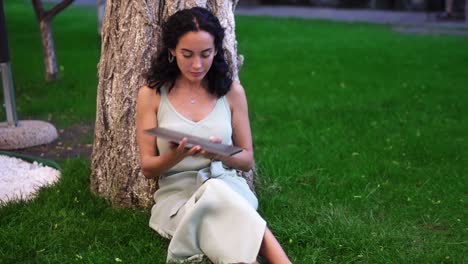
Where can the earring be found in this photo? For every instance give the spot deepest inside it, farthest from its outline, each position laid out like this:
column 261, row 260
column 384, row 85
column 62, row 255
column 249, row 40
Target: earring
column 170, row 57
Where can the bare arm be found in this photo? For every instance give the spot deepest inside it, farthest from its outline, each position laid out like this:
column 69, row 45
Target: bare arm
column 153, row 165
column 241, row 134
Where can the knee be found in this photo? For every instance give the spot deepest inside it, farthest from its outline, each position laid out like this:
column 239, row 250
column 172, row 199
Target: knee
column 212, row 192
column 218, row 194
column 231, row 195
column 215, row 183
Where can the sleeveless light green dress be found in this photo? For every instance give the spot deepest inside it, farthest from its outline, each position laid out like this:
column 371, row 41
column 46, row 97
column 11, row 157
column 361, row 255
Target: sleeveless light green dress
column 203, row 206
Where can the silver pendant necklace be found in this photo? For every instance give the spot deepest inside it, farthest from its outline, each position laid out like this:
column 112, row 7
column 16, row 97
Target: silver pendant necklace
column 192, row 99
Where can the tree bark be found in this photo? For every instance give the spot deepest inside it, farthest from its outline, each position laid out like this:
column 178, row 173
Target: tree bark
column 50, row 61
column 44, row 19
column 131, row 32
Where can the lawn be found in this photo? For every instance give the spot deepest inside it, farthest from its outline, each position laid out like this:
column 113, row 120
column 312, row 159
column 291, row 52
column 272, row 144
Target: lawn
column 360, row 136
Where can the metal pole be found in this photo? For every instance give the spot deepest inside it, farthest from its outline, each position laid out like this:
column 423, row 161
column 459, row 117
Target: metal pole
column 7, row 80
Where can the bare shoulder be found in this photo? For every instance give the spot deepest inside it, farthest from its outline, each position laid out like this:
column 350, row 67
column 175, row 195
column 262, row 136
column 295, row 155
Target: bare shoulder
column 236, row 90
column 148, row 97
column 146, row 91
column 236, row 94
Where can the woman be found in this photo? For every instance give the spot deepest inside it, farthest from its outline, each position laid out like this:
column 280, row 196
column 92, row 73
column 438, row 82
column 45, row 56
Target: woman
column 201, row 204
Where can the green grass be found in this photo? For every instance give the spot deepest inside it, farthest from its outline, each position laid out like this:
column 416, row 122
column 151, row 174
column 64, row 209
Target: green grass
column 360, row 136
column 67, row 223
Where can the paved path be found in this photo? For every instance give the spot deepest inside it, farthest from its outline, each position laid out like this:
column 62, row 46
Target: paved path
column 407, row 22
column 348, row 15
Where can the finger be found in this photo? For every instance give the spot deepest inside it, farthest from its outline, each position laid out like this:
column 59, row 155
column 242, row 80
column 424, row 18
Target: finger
column 215, row 139
column 205, row 154
column 194, row 150
column 182, row 144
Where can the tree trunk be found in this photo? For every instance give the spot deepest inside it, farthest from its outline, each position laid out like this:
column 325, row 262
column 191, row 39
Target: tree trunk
column 50, row 60
column 44, row 19
column 466, row 11
column 131, row 32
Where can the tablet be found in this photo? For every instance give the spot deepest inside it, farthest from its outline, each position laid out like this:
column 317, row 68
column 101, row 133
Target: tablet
column 207, row 145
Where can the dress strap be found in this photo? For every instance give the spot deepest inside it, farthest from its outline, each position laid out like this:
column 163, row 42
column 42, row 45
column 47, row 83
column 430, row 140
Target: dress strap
column 162, row 109
column 163, row 90
column 226, row 107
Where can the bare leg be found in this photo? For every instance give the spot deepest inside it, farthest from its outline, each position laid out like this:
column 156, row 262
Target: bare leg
column 272, row 250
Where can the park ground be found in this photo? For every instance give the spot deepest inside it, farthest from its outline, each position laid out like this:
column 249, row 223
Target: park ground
column 359, row 133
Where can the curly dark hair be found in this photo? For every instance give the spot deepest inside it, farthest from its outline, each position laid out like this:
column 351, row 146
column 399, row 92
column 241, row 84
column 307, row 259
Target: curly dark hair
column 194, row 19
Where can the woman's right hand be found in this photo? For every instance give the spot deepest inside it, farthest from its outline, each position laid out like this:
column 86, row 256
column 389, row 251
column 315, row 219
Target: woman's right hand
column 180, row 151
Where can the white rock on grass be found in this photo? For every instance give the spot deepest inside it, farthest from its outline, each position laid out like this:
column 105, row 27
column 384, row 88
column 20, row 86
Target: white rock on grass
column 20, row 180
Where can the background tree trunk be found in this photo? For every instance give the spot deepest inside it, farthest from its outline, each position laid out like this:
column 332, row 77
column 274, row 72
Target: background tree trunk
column 50, row 61
column 131, row 32
column 44, row 19
column 100, row 8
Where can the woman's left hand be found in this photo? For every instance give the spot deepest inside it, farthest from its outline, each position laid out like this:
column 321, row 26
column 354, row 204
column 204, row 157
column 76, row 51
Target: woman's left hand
column 210, row 155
